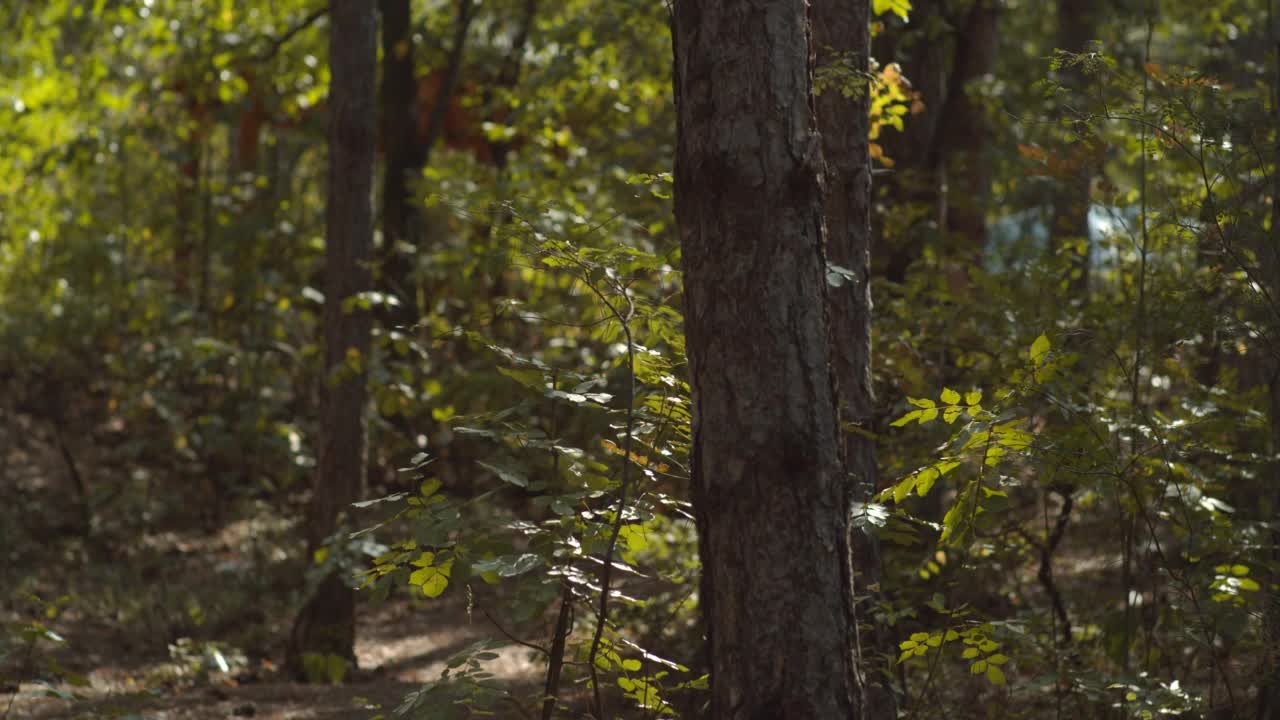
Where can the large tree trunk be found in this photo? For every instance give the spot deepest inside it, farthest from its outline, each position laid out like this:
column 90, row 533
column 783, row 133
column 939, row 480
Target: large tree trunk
column 326, row 625
column 769, row 491
column 841, row 34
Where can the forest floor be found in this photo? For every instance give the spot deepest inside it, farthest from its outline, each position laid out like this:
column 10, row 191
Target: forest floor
column 399, row 648
column 189, row 622
column 108, row 670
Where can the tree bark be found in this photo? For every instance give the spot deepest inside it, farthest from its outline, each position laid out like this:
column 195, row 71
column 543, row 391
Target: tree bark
column 841, row 31
column 769, row 492
column 326, row 625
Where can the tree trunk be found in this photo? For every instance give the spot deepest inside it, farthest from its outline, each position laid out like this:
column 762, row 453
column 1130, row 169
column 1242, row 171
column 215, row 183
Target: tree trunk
column 1269, row 687
column 770, row 494
column 1077, row 21
column 326, row 625
column 841, row 31
column 947, row 45
column 403, row 156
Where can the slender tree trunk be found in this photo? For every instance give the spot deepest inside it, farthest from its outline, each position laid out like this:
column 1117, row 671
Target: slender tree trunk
column 925, row 55
column 769, row 491
column 1269, row 689
column 326, row 625
column 947, row 45
column 841, row 33
column 965, row 136
column 1077, row 25
column 399, row 104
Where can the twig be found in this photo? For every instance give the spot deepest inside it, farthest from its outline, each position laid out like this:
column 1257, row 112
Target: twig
column 511, row 637
column 452, row 72
column 606, row 572
column 276, row 43
column 555, row 662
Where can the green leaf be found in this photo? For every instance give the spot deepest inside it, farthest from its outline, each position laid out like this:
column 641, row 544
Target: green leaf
column 506, row 473
column 1039, row 349
column 951, row 413
column 951, row 521
column 998, row 659
column 429, row 487
column 509, row 565
column 922, row 402
column 924, row 482
column 927, row 415
column 949, row 396
column 973, row 398
column 995, row 675
column 970, row 653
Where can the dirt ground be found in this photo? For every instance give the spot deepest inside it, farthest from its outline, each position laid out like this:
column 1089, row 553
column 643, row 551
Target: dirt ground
column 399, row 648
column 135, row 589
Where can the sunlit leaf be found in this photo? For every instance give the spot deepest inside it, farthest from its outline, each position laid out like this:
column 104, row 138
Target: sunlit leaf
column 1039, row 349
column 898, row 7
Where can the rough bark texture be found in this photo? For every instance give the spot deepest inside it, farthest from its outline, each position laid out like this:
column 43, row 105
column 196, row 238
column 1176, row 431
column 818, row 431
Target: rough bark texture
column 326, row 624
column 841, row 31
column 770, row 495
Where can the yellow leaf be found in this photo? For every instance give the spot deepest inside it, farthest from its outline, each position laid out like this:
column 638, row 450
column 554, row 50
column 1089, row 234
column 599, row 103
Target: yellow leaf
column 973, row 398
column 903, row 489
column 950, row 397
column 914, row 414
column 897, row 7
column 1039, row 349
column 433, row 579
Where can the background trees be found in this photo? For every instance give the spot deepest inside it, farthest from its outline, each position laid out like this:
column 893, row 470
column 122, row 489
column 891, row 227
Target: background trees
column 1083, row 524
